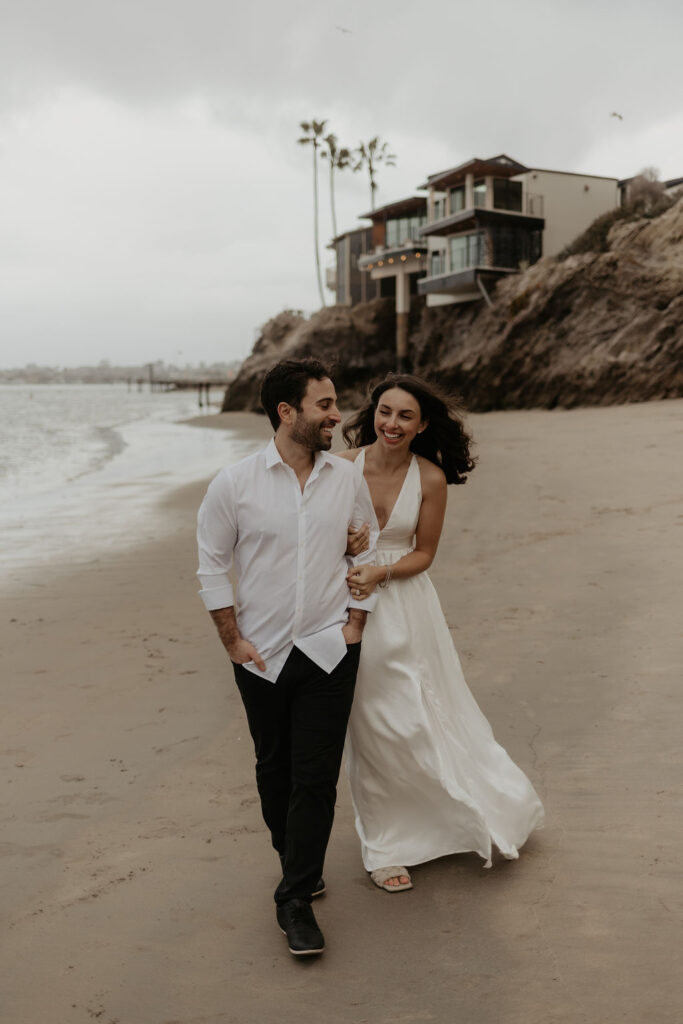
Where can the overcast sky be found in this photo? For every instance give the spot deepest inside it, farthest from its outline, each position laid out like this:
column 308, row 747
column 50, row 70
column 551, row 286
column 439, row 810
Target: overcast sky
column 154, row 203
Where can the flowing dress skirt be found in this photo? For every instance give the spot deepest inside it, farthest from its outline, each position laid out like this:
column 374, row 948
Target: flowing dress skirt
column 427, row 776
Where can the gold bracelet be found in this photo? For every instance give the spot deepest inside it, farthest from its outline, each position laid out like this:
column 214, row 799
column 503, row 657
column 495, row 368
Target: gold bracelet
column 385, row 581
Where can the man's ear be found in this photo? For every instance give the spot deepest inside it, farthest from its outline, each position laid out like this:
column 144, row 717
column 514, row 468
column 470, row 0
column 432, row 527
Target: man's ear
column 284, row 411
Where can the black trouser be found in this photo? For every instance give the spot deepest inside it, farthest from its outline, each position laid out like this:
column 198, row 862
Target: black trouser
column 298, row 726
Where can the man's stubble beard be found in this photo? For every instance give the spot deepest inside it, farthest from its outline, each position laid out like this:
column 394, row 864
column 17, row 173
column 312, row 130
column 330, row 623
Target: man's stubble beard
column 309, row 435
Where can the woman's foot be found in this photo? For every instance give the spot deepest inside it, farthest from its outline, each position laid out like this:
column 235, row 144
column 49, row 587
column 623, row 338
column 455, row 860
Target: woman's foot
column 398, row 880
column 392, row 879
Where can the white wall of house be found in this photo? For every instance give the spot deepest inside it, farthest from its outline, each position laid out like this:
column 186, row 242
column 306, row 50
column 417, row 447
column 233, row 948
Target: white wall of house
column 570, row 203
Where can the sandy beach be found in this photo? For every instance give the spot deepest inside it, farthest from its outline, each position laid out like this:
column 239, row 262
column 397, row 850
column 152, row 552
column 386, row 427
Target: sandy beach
column 137, row 874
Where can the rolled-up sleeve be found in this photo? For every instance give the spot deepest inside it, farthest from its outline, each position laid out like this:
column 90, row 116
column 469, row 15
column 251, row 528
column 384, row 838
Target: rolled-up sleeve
column 363, row 512
column 216, row 539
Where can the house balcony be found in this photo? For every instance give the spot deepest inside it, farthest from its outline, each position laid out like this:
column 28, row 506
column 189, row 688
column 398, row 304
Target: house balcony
column 408, row 252
column 462, row 285
column 479, row 217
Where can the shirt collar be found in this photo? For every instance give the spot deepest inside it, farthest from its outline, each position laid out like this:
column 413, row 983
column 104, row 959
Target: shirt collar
column 273, row 456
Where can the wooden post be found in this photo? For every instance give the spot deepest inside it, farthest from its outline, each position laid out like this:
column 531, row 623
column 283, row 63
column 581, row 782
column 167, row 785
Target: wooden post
column 402, row 320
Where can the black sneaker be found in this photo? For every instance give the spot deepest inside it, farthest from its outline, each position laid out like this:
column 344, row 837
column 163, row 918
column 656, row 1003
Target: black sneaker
column 298, row 923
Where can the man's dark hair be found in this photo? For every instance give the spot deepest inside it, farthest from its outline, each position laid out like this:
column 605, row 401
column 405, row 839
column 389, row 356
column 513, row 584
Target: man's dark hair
column 287, row 382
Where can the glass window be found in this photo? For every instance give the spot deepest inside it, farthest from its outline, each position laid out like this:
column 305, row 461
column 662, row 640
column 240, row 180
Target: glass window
column 439, row 209
column 480, row 192
column 436, row 265
column 458, row 248
column 457, row 198
column 507, row 195
column 467, row 251
column 401, row 230
column 514, row 245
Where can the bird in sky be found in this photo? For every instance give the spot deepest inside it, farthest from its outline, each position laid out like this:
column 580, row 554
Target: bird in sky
column 614, row 114
column 340, row 29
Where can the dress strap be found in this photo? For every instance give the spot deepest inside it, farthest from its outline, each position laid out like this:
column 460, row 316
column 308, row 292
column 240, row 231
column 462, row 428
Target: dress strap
column 417, row 478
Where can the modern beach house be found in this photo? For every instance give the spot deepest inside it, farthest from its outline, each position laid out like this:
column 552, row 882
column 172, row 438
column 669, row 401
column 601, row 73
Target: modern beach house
column 345, row 279
column 480, row 221
column 489, row 218
column 398, row 258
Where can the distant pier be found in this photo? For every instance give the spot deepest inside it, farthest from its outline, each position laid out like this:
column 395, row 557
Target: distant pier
column 202, row 387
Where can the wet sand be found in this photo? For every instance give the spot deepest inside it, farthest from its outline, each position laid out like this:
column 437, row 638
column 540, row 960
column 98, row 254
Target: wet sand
column 137, row 874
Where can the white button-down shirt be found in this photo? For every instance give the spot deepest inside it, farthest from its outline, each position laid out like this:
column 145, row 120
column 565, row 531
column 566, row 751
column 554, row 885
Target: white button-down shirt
column 288, row 548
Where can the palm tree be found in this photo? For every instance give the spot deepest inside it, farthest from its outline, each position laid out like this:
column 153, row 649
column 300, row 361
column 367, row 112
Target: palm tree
column 369, row 155
column 338, row 160
column 313, row 133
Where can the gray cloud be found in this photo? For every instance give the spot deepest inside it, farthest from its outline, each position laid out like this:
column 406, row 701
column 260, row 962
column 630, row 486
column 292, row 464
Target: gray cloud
column 152, row 185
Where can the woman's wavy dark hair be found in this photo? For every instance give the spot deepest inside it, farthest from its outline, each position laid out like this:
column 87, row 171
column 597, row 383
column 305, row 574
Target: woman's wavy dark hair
column 444, row 441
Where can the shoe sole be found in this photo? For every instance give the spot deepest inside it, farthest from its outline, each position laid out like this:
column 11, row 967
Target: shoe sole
column 319, row 892
column 303, row 952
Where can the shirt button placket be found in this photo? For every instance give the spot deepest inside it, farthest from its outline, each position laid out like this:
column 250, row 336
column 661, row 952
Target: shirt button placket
column 300, row 560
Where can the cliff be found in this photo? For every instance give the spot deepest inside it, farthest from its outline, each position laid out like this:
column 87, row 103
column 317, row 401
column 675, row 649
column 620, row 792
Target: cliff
column 597, row 327
column 357, row 343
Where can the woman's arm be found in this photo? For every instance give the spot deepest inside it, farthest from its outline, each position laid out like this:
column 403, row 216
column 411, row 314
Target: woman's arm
column 429, row 526
column 357, row 537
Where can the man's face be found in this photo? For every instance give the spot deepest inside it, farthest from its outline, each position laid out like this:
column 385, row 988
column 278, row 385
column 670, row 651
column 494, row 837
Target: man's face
column 313, row 425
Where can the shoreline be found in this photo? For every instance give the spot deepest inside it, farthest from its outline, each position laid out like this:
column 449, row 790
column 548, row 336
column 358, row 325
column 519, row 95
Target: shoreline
column 138, row 872
column 118, row 503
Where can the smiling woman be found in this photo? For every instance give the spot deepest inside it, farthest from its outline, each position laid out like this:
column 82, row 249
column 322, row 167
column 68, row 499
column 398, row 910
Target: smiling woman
column 427, row 777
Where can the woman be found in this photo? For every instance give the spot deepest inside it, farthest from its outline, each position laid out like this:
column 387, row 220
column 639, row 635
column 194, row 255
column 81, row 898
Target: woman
column 427, row 776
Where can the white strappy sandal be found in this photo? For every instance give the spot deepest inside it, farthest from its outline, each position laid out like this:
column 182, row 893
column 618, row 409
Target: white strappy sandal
column 382, row 875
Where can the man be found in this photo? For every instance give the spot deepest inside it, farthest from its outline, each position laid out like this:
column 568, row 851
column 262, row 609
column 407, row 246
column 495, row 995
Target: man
column 294, row 640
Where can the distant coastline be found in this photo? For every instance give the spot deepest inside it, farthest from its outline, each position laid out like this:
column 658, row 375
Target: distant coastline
column 107, row 373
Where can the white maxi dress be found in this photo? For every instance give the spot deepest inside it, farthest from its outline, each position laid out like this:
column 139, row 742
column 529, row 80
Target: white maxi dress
column 427, row 777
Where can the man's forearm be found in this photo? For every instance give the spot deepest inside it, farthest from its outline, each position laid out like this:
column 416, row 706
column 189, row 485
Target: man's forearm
column 226, row 624
column 353, row 630
column 357, row 618
column 239, row 650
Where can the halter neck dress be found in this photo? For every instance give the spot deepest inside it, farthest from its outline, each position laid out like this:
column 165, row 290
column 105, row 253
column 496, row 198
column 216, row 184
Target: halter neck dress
column 427, row 777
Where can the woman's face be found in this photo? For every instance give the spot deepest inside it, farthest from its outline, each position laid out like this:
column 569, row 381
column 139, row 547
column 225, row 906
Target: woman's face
column 397, row 419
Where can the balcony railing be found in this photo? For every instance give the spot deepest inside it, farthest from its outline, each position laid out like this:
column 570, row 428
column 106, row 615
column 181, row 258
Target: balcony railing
column 532, row 205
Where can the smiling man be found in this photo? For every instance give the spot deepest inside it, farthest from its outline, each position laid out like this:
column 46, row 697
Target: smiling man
column 293, row 633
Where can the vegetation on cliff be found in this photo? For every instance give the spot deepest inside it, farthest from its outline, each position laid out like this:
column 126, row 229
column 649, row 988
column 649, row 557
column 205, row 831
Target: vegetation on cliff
column 598, row 326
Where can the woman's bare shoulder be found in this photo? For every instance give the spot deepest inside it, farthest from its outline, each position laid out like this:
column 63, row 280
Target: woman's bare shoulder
column 432, row 477
column 349, row 453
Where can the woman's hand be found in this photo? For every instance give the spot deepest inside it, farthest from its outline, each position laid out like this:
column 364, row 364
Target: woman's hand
column 362, row 580
column 357, row 540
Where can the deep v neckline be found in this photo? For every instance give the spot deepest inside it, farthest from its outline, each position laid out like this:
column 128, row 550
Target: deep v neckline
column 400, row 493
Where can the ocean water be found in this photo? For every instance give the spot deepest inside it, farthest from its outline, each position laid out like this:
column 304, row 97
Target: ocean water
column 83, row 468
